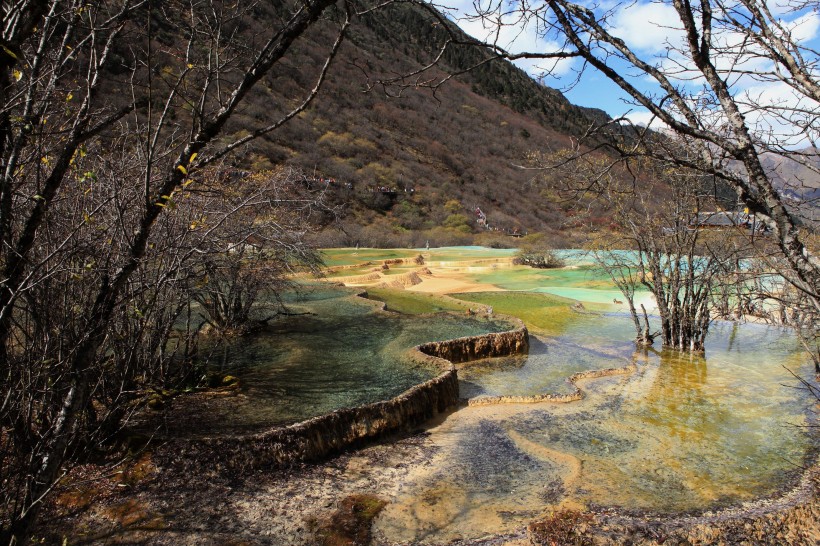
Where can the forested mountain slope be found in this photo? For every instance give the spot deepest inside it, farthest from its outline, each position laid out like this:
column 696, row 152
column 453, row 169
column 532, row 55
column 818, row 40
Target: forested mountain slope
column 444, row 151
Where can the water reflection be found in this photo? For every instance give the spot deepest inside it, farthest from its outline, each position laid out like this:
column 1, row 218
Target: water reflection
column 340, row 351
column 676, row 400
column 681, row 433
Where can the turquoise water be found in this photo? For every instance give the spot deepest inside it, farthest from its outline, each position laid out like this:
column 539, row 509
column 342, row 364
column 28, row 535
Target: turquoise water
column 546, row 369
column 680, row 433
column 595, row 295
column 342, row 352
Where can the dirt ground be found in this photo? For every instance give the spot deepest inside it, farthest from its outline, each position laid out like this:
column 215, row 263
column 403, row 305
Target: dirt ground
column 144, row 503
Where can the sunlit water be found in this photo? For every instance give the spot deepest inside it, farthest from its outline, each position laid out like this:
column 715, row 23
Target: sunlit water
column 342, row 352
column 582, row 281
column 676, row 434
column 679, row 434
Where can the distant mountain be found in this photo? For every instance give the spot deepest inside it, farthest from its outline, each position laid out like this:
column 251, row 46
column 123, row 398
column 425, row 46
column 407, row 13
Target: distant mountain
column 798, row 179
column 797, row 176
column 437, row 163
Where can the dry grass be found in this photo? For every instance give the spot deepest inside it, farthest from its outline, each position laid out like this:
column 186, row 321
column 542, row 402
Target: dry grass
column 561, row 528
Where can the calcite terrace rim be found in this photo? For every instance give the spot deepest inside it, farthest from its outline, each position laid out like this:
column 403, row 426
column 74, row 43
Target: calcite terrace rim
column 322, row 436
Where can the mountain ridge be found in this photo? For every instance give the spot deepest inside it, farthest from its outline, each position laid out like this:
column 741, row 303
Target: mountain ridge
column 459, row 146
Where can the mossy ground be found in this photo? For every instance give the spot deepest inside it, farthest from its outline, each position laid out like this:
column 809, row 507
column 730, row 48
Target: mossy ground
column 414, row 303
column 352, row 256
column 527, row 278
column 542, row 312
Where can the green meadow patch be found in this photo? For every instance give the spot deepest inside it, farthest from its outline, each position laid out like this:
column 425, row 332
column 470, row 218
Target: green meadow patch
column 544, row 312
column 413, row 303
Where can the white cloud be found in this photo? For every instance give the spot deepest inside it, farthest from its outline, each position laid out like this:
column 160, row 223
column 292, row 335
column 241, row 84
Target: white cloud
column 652, row 29
column 509, row 31
column 648, row 26
column 644, row 118
column 804, row 28
column 795, row 122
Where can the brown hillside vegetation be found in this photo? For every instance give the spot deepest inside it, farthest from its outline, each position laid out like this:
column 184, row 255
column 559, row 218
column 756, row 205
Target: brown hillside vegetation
column 413, row 165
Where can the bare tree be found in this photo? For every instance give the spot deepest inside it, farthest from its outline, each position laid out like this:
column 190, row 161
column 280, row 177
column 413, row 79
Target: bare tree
column 654, row 239
column 697, row 89
column 110, row 112
column 259, row 247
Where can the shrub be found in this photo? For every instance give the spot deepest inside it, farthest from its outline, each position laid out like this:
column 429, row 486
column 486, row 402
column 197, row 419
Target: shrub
column 564, row 527
column 495, row 239
column 536, row 252
column 458, row 222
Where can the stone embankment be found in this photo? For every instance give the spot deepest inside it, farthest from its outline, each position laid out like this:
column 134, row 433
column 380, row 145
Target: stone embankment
column 399, row 281
column 356, row 279
column 331, row 433
column 404, row 280
column 469, row 348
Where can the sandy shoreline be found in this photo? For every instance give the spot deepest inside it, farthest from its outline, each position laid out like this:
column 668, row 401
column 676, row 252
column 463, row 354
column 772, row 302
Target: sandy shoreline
column 443, row 281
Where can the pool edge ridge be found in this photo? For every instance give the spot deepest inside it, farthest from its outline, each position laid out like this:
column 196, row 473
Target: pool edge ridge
column 325, row 435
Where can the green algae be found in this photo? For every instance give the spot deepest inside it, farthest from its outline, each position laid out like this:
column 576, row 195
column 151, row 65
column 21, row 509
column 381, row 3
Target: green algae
column 681, row 433
column 526, row 278
column 335, row 350
column 413, row 303
column 585, row 283
column 352, row 256
column 543, row 312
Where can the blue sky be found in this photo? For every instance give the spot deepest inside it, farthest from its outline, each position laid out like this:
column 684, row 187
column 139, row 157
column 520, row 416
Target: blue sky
column 650, row 28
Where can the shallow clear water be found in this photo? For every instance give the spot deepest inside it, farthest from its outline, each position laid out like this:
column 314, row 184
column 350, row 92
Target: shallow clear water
column 344, row 353
column 679, row 434
column 582, row 283
column 527, row 278
column 544, row 371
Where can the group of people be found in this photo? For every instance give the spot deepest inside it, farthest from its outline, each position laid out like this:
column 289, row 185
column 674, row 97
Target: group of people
column 329, row 181
column 481, row 220
column 388, row 189
column 325, row 181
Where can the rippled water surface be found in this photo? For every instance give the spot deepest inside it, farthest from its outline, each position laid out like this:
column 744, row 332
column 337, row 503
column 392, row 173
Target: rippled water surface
column 672, row 433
